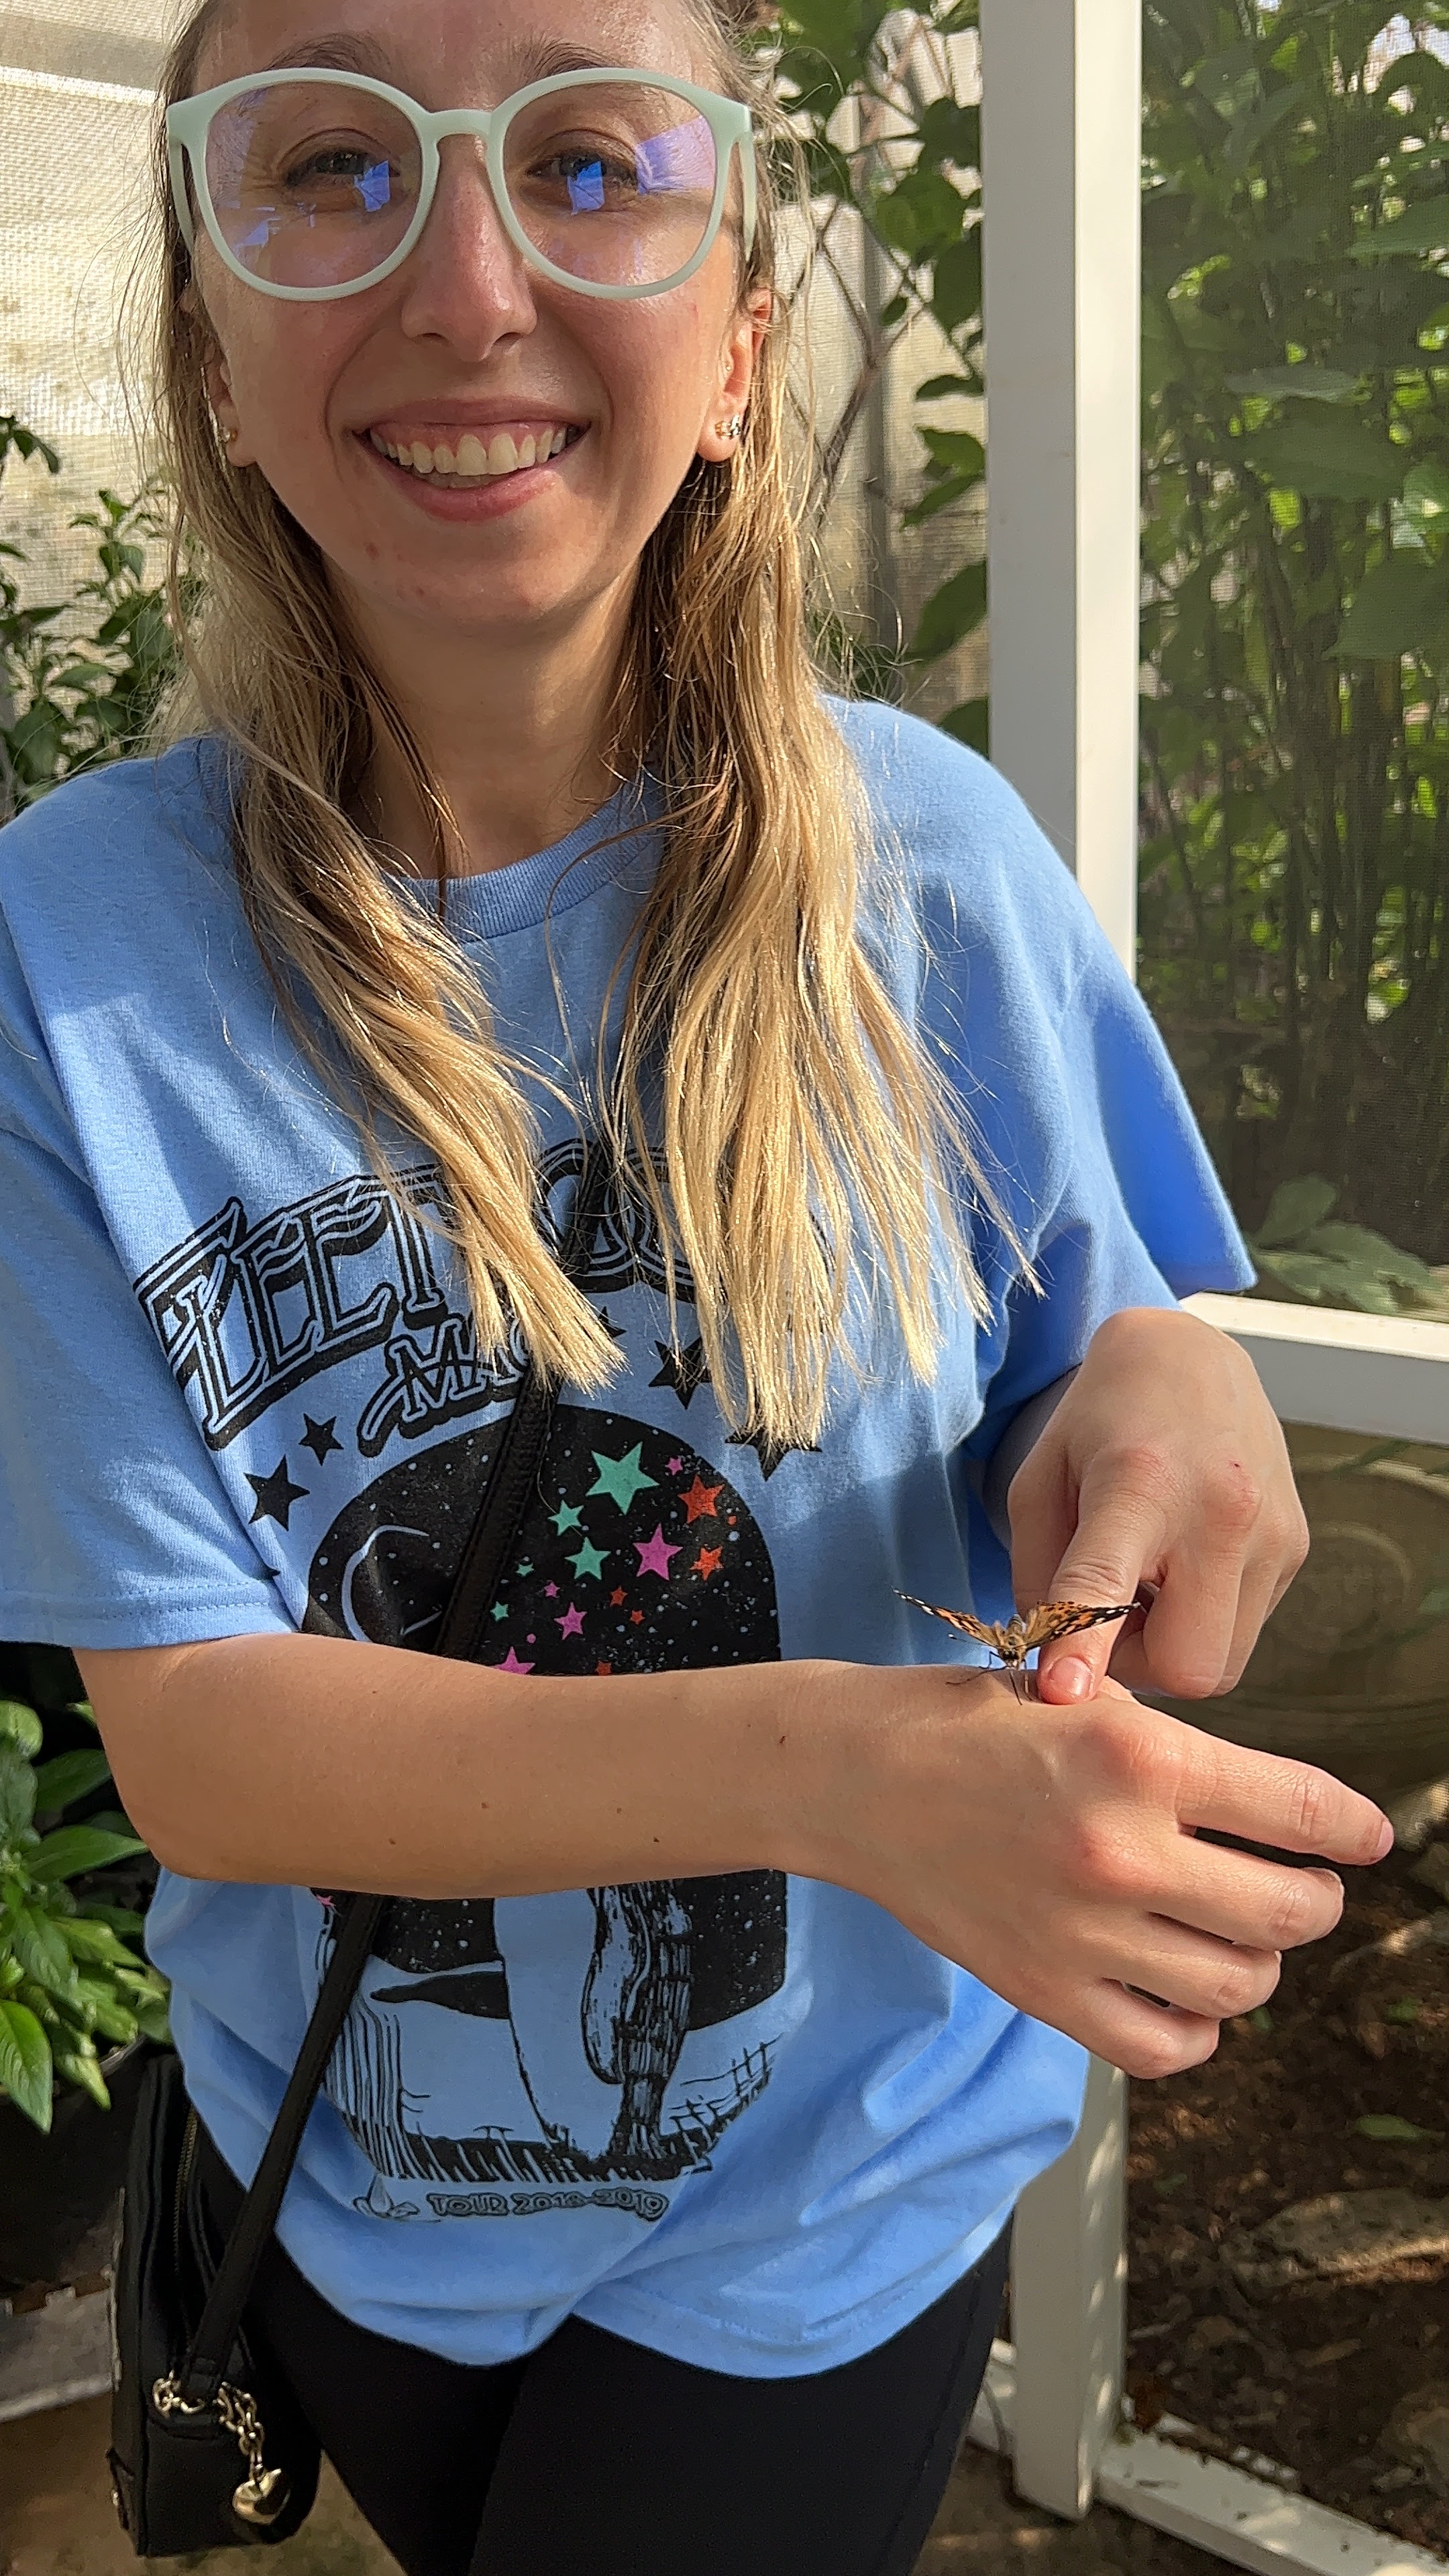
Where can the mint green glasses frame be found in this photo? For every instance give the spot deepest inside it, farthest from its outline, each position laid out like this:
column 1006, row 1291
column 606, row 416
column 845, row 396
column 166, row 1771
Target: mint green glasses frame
column 188, row 123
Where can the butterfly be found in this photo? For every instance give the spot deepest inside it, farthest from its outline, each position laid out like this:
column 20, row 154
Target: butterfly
column 1012, row 1643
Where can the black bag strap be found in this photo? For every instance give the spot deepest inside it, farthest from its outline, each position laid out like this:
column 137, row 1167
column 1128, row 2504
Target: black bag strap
column 486, row 1552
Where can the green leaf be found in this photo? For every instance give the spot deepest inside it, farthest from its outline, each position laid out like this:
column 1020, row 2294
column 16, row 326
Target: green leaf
column 1387, row 2127
column 1426, row 493
column 937, row 388
column 1421, row 231
column 1401, row 607
column 1262, row 2019
column 119, row 1918
column 42, row 1952
column 956, row 282
column 1307, row 384
column 941, row 496
column 21, row 1727
column 971, row 724
column 81, row 2067
column 951, row 132
column 74, row 1848
column 950, row 614
column 1406, row 2012
column 921, row 210
column 1329, row 456
column 153, row 2021
column 89, row 1940
column 1294, row 1207
column 25, row 2067
column 70, row 1776
column 17, row 1793
column 1361, row 1245
column 955, row 451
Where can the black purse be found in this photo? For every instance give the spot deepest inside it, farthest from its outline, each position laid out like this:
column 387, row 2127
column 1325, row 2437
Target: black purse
column 209, row 2448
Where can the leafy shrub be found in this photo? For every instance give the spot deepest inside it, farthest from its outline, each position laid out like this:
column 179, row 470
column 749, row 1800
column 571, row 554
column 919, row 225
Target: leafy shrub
column 68, row 1975
column 80, row 678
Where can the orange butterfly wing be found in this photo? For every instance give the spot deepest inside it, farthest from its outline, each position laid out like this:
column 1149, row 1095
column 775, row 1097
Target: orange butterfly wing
column 1040, row 1627
column 1054, row 1619
column 958, row 1619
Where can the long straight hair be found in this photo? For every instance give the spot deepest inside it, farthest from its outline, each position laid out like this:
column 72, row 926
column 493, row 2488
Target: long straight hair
column 768, row 1100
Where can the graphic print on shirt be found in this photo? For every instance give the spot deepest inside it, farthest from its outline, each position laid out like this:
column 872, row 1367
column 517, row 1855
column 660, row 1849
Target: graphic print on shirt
column 248, row 1310
column 616, row 2032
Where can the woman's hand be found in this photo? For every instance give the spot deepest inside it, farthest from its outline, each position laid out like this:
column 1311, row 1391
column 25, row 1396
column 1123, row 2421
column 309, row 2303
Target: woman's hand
column 1052, row 1852
column 1162, row 1465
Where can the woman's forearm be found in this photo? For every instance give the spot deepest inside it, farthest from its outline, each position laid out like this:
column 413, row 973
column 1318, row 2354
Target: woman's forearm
column 314, row 1761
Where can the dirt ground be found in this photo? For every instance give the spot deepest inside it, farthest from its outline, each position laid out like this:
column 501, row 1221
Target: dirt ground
column 1320, row 2375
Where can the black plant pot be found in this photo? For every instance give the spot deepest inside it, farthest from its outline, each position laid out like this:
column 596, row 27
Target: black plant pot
column 58, row 2193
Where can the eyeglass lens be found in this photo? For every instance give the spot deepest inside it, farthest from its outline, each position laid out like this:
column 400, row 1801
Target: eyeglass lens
column 315, row 184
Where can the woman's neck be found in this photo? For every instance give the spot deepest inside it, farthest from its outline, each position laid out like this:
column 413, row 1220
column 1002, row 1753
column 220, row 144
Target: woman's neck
column 514, row 739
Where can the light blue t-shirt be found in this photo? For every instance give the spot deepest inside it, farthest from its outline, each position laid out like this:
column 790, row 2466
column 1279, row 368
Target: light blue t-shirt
column 750, row 2122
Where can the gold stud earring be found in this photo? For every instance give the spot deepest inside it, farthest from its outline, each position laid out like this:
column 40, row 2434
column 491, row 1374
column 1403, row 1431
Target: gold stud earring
column 730, row 428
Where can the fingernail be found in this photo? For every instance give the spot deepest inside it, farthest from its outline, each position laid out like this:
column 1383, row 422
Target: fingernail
column 1385, row 1842
column 1073, row 1678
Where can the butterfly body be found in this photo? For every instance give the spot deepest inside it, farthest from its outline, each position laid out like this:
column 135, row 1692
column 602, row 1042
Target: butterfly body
column 1011, row 1642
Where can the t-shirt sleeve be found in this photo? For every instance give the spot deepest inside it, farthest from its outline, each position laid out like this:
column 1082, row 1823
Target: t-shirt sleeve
column 114, row 1528
column 1083, row 1132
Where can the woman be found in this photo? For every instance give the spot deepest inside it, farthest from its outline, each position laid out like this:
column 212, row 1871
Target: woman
column 742, row 1957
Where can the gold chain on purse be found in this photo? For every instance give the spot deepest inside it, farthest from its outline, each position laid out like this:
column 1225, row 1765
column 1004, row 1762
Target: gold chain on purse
column 263, row 2492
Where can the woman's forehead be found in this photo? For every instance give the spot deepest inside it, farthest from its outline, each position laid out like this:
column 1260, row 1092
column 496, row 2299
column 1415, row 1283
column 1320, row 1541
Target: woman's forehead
column 451, row 53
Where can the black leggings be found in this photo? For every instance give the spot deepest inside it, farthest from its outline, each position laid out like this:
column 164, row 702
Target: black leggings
column 596, row 2457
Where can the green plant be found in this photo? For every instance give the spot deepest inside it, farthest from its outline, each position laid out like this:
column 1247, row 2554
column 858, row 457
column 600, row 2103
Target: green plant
column 80, row 678
column 892, row 139
column 67, row 1972
column 1295, row 873
column 1304, row 1252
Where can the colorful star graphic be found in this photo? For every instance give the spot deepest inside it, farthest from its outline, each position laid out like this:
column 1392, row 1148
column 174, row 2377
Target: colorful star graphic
column 621, row 1478
column 654, row 1554
column 707, row 1562
column 275, row 1496
column 618, row 1598
column 674, row 1466
column 320, row 1438
column 572, row 1622
column 500, row 1609
column 550, row 1592
column 589, row 1564
column 567, row 1517
column 684, row 1370
column 602, row 1672
column 636, row 1618
column 511, row 1664
column 701, row 1499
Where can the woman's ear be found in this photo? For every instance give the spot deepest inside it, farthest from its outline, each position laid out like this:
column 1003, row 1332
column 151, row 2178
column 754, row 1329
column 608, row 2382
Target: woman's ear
column 724, row 422
column 219, row 395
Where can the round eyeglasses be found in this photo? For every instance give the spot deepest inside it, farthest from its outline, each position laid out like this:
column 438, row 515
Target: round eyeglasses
column 315, row 184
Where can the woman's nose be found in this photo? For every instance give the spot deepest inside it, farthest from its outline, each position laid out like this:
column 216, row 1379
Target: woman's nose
column 466, row 280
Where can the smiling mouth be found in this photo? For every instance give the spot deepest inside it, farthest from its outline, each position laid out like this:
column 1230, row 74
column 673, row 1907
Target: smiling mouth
column 474, row 461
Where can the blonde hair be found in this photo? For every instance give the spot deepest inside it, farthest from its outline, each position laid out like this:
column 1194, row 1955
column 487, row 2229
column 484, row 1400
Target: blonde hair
column 799, row 1139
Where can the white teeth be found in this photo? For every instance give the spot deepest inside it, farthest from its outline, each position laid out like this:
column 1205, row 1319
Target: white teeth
column 473, row 461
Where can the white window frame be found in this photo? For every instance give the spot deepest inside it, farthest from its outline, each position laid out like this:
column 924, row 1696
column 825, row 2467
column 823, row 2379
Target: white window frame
column 1062, row 101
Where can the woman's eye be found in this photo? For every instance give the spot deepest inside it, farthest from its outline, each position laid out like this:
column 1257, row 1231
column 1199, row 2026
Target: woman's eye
column 587, row 173
column 351, row 164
